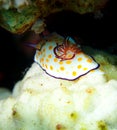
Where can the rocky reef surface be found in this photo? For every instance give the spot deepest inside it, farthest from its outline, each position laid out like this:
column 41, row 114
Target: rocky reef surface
column 42, row 102
column 19, row 16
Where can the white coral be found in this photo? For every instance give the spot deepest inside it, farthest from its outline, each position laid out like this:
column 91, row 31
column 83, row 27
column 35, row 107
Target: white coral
column 18, row 4
column 45, row 103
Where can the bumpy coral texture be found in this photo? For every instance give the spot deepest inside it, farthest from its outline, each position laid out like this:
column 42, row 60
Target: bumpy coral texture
column 41, row 102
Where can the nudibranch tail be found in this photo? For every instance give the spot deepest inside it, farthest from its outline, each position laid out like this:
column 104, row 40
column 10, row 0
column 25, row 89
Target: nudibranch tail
column 32, row 45
column 36, row 46
column 64, row 59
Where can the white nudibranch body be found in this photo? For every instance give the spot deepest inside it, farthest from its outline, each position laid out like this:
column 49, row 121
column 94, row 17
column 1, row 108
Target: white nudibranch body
column 64, row 60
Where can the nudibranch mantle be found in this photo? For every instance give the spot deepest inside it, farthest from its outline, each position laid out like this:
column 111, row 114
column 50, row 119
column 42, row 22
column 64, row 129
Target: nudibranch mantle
column 63, row 59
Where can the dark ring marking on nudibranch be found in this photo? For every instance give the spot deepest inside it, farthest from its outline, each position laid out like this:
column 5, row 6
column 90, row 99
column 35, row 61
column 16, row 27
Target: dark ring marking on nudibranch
column 98, row 65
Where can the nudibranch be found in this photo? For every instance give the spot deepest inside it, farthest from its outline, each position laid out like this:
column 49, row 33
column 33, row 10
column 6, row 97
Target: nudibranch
column 64, row 59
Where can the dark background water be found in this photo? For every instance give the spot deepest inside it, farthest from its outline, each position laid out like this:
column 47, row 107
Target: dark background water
column 97, row 31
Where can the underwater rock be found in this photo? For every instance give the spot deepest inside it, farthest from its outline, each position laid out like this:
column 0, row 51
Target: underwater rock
column 18, row 16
